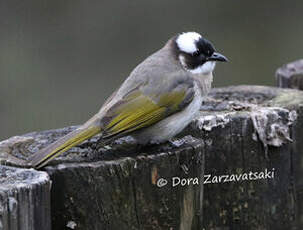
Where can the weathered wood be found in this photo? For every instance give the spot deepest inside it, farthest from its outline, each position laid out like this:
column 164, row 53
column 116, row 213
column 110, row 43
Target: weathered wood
column 123, row 193
column 243, row 128
column 249, row 129
column 24, row 199
column 116, row 187
column 290, row 75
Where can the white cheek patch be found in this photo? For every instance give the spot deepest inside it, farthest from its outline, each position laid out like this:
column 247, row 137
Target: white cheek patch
column 206, row 68
column 187, row 42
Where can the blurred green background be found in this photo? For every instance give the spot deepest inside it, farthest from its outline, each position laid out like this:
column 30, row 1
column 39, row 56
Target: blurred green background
column 59, row 60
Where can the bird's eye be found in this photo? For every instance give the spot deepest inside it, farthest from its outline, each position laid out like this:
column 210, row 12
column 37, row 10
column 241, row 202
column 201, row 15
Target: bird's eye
column 202, row 57
column 209, row 52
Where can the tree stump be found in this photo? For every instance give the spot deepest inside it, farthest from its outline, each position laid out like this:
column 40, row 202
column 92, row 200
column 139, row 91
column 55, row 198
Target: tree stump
column 24, row 199
column 120, row 186
column 250, row 129
column 242, row 131
column 291, row 75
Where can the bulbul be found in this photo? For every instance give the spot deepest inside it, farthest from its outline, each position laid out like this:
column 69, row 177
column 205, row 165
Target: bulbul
column 157, row 101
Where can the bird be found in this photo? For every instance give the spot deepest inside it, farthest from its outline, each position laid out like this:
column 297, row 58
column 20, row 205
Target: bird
column 157, row 100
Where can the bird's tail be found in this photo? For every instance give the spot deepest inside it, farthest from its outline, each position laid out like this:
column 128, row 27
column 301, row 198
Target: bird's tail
column 43, row 156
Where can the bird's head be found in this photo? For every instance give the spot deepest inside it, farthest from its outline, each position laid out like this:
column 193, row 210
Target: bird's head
column 196, row 54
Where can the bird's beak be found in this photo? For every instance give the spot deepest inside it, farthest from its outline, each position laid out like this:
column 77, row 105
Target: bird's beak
column 217, row 57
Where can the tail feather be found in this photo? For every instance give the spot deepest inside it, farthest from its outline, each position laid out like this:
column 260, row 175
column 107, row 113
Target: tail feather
column 43, row 156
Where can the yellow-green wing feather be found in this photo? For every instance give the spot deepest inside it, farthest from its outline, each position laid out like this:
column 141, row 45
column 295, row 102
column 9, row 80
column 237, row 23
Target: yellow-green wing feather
column 138, row 110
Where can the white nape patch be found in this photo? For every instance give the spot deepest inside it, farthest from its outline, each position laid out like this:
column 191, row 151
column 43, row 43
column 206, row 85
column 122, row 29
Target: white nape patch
column 187, row 42
column 206, row 68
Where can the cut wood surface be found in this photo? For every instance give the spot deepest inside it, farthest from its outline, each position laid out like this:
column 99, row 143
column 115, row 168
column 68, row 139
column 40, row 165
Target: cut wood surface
column 24, row 199
column 251, row 130
column 120, row 186
column 240, row 130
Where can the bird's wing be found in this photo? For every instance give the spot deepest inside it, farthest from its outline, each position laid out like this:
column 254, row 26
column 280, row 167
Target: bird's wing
column 147, row 104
